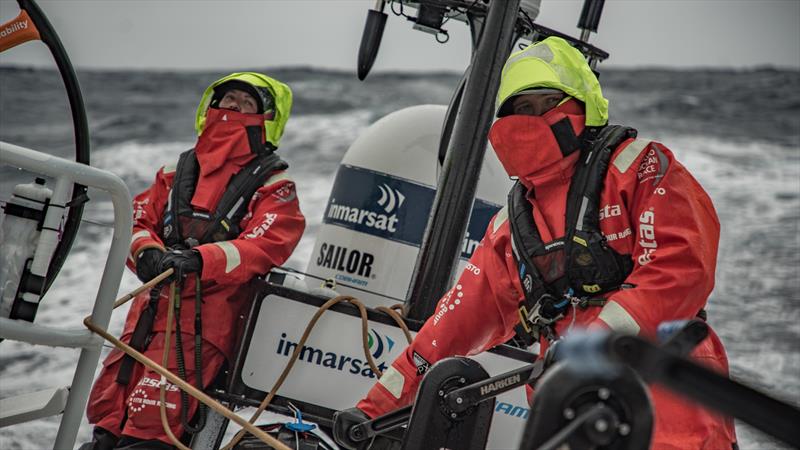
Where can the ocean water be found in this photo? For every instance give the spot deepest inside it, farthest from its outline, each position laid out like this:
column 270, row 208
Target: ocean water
column 737, row 131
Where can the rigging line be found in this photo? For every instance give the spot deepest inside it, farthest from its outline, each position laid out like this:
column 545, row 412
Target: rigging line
column 402, row 12
column 459, row 11
column 530, row 21
column 4, row 201
column 300, row 272
column 99, row 224
column 532, row 25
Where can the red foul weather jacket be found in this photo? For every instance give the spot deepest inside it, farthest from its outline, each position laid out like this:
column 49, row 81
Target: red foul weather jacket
column 270, row 231
column 651, row 208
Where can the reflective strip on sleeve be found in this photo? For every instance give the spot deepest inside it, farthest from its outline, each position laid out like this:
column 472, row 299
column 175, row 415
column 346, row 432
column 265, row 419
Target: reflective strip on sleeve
column 618, row 319
column 140, row 234
column 232, row 256
column 280, row 176
column 624, row 160
column 500, row 218
column 393, row 381
column 169, row 168
column 663, row 164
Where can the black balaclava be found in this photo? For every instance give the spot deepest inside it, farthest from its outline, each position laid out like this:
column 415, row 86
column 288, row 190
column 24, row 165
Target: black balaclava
column 263, row 97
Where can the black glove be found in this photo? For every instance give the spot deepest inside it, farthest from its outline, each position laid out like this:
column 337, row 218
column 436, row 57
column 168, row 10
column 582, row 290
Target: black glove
column 147, row 264
column 342, row 421
column 183, row 262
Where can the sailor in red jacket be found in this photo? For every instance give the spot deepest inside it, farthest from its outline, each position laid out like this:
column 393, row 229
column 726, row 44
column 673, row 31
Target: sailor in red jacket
column 659, row 235
column 226, row 213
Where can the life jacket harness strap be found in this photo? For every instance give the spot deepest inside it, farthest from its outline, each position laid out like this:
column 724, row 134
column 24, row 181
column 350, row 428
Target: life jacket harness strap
column 183, row 226
column 200, row 228
column 141, row 336
column 198, row 355
column 576, row 269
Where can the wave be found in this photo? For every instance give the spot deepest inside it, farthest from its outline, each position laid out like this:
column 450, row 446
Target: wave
column 729, row 128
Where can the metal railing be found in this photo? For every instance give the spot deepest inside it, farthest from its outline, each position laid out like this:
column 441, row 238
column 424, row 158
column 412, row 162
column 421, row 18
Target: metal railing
column 66, row 173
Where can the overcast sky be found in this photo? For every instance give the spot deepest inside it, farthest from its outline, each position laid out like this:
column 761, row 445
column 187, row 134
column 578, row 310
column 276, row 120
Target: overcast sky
column 229, row 34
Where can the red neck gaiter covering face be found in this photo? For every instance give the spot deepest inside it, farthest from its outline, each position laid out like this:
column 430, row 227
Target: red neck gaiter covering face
column 222, row 149
column 527, row 147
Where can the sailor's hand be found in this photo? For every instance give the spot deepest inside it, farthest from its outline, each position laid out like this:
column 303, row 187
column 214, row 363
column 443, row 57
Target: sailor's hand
column 147, row 264
column 183, row 262
column 342, row 422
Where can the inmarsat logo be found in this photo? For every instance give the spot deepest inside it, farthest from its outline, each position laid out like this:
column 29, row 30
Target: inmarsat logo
column 390, row 198
column 378, row 345
column 390, row 201
column 376, row 340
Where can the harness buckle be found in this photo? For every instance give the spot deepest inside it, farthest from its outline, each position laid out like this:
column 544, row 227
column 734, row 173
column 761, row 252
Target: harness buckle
column 523, row 318
column 542, row 315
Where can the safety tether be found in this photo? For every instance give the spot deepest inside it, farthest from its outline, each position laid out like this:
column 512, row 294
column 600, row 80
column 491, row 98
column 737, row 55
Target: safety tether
column 579, row 267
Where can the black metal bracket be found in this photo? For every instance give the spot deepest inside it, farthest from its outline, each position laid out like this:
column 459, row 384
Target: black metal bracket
column 466, row 397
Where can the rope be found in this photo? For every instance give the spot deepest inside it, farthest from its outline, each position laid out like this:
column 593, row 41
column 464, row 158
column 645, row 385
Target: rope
column 162, row 390
column 364, row 341
column 247, row 426
column 397, row 318
column 166, row 374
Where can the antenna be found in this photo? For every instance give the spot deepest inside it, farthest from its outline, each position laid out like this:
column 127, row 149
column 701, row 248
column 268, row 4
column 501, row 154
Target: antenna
column 590, row 18
column 371, row 39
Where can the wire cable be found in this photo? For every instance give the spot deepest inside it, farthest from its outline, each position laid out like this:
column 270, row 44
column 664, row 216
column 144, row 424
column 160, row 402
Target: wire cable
column 300, row 272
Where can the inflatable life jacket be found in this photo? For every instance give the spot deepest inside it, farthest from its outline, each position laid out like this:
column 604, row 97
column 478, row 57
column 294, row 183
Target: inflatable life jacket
column 186, row 227
column 578, row 267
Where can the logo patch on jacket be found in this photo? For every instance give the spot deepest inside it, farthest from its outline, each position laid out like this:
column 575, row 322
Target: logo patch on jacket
column 653, row 166
column 285, row 193
column 610, row 211
column 647, row 236
column 449, row 303
column 269, row 219
column 421, row 363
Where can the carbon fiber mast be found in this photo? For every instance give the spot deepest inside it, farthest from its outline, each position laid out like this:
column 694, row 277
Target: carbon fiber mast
column 441, row 244
column 464, row 135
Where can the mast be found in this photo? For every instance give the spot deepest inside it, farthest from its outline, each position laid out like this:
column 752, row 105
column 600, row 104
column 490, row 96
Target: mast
column 494, row 29
column 441, row 244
